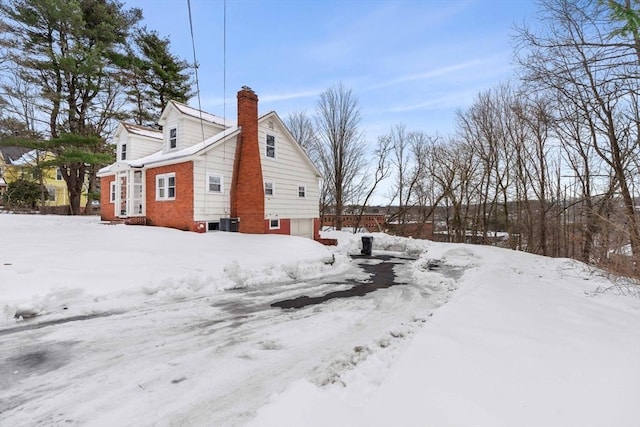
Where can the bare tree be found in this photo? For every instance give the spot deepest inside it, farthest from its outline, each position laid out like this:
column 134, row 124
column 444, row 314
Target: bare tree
column 382, row 171
column 583, row 59
column 303, row 130
column 341, row 148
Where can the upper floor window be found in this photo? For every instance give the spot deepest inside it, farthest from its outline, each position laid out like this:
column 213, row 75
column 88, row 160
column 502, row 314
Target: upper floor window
column 58, row 174
column 166, row 186
column 214, row 183
column 271, row 146
column 173, row 138
column 302, row 191
column 123, row 152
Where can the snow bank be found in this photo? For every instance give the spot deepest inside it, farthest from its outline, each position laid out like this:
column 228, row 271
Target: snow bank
column 524, row 341
column 54, row 263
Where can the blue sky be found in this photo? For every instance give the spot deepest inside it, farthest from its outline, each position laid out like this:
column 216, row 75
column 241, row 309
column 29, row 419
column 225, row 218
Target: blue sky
column 411, row 62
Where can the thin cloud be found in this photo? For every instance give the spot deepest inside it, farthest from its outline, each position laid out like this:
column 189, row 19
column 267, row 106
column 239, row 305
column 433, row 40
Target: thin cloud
column 429, row 74
column 289, row 96
column 454, row 100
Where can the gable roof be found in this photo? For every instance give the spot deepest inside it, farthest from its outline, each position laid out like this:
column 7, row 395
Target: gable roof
column 197, row 114
column 303, row 153
column 11, row 154
column 161, row 157
column 142, row 130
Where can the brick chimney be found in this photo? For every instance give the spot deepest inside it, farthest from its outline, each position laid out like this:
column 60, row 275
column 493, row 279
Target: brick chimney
column 247, row 186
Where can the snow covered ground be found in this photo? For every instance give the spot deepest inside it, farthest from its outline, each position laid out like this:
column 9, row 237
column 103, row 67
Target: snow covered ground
column 126, row 325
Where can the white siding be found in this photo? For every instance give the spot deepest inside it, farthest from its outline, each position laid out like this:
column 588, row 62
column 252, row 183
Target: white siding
column 218, row 160
column 288, row 170
column 192, row 131
column 139, row 146
column 189, row 129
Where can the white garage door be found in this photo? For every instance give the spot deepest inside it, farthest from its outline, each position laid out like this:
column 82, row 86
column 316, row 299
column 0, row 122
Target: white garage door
column 302, row 227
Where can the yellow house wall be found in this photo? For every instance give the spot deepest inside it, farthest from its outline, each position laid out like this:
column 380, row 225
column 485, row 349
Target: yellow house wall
column 12, row 173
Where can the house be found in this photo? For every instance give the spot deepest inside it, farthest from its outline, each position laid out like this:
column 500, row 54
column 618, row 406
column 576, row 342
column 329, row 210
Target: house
column 7, row 156
column 204, row 173
column 22, row 163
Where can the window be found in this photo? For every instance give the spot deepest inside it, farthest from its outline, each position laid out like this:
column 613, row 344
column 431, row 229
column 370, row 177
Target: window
column 166, row 186
column 214, row 183
column 302, row 191
column 274, row 224
column 58, row 174
column 123, row 152
column 112, row 192
column 51, row 194
column 271, row 146
column 269, row 188
column 173, row 138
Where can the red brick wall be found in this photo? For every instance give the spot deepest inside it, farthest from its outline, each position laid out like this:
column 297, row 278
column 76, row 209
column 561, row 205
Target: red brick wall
column 107, row 210
column 285, row 227
column 176, row 213
column 316, row 228
column 247, row 187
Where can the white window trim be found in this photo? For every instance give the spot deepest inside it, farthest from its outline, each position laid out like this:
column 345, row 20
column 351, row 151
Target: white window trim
column 123, row 152
column 271, row 227
column 273, row 188
column 207, row 183
column 304, row 190
column 166, row 177
column 112, row 192
column 174, row 128
column 266, row 147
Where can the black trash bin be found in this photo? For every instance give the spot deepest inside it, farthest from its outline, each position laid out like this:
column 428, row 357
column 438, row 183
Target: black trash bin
column 367, row 245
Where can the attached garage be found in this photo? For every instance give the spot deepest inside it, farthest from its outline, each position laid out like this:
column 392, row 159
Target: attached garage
column 302, row 227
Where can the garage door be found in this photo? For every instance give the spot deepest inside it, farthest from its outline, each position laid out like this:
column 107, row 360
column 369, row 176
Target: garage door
column 302, row 227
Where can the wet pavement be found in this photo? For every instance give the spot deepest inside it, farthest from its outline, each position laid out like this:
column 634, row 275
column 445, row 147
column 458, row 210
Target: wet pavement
column 382, row 277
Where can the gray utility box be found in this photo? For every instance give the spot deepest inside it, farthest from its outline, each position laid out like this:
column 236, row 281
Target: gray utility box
column 367, row 245
column 229, row 224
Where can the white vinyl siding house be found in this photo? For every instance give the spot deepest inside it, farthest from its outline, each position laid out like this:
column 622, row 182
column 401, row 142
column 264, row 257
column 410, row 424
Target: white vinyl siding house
column 211, row 206
column 196, row 195
column 189, row 129
column 289, row 171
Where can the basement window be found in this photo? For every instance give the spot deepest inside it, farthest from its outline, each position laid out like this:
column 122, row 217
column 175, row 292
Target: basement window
column 274, row 224
column 271, row 146
column 166, row 186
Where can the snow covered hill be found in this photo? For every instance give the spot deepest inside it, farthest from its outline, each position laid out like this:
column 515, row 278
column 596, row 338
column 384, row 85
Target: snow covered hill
column 150, row 326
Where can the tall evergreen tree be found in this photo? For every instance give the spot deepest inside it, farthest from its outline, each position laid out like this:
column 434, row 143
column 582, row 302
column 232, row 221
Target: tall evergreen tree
column 72, row 51
column 158, row 76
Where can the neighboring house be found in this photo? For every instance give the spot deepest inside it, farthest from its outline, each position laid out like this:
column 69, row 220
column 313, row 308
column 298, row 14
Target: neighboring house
column 19, row 163
column 369, row 221
column 204, row 174
column 7, row 156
